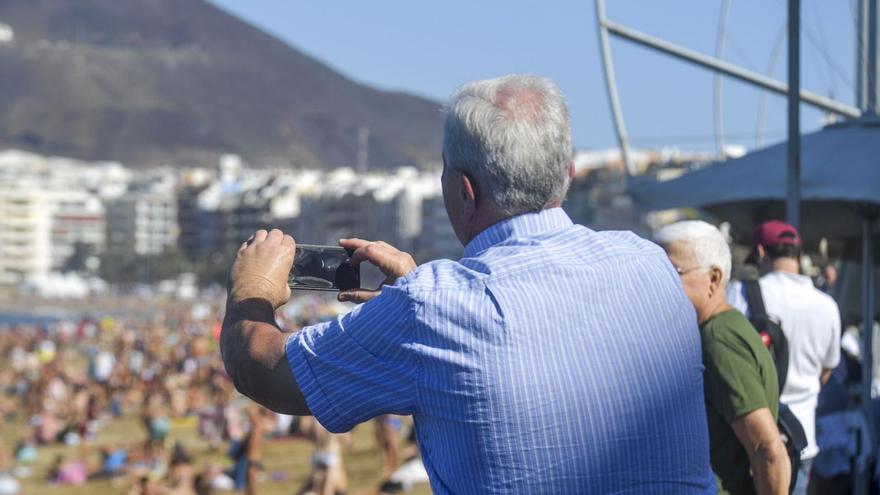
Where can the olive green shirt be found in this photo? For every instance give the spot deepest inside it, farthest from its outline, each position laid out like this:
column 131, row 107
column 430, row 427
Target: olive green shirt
column 740, row 377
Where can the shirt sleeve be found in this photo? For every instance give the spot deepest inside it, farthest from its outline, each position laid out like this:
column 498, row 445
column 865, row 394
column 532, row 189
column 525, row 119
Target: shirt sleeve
column 733, row 383
column 360, row 365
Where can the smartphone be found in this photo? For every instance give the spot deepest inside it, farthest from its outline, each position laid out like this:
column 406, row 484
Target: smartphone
column 323, row 268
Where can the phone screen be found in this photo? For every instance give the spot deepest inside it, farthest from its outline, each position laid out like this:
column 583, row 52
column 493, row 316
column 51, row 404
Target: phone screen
column 323, row 268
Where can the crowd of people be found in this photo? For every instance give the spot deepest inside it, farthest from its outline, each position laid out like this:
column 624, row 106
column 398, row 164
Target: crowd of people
column 64, row 383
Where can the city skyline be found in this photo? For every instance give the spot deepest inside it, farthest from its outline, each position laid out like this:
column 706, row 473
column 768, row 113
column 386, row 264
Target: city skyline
column 61, row 215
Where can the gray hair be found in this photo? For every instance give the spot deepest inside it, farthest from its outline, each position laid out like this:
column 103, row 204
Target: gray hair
column 709, row 246
column 512, row 135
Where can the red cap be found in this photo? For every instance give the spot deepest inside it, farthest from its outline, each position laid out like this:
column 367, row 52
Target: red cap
column 774, row 232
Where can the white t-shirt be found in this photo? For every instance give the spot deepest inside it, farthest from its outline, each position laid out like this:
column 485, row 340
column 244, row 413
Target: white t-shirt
column 810, row 320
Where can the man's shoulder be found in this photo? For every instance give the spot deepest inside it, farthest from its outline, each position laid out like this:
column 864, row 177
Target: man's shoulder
column 627, row 241
column 827, row 302
column 818, row 300
column 613, row 249
column 576, row 247
column 731, row 328
column 438, row 275
column 731, row 334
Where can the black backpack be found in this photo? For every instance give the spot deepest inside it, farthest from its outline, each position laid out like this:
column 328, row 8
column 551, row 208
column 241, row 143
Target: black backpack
column 774, row 339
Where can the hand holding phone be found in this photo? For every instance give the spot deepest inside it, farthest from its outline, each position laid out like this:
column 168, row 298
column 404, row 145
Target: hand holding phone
column 260, row 268
column 392, row 262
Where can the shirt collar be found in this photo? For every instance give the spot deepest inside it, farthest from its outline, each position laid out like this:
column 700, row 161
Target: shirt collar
column 523, row 225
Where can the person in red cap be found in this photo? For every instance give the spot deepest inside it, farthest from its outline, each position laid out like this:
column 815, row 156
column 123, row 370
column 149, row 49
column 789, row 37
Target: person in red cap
column 809, row 318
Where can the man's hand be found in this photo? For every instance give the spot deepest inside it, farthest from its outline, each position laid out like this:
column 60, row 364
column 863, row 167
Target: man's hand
column 261, row 268
column 392, row 262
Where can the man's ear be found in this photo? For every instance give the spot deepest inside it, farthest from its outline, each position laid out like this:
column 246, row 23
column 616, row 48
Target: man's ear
column 571, row 169
column 469, row 194
column 715, row 279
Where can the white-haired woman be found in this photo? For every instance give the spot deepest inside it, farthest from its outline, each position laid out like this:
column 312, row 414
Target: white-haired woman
column 740, row 382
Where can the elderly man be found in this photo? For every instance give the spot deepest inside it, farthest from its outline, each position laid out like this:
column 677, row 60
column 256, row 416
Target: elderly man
column 741, row 387
column 549, row 359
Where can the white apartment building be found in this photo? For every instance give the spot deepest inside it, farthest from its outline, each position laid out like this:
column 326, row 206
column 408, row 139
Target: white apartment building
column 370, row 206
column 25, row 248
column 141, row 223
column 77, row 223
column 40, row 229
column 339, row 205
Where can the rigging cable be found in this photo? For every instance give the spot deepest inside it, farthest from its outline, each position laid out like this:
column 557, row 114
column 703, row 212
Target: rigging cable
column 719, row 54
column 771, row 67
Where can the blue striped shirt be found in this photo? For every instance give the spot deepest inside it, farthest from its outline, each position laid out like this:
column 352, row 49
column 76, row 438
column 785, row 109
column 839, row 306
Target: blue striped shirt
column 549, row 359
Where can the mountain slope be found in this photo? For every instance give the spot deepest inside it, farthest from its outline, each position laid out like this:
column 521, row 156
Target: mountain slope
column 181, row 81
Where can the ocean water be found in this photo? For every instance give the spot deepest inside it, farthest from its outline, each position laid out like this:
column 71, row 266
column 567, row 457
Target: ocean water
column 28, row 319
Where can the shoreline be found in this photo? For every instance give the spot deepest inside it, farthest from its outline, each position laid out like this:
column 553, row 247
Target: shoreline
column 24, row 307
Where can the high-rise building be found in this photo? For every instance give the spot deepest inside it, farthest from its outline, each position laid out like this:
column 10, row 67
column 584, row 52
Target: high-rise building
column 141, row 223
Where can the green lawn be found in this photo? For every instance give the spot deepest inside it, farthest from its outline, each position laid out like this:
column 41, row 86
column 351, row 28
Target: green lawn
column 289, row 456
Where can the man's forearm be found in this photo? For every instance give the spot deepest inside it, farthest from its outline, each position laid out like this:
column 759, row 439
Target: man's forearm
column 239, row 324
column 771, row 470
column 758, row 434
column 252, row 347
column 825, row 376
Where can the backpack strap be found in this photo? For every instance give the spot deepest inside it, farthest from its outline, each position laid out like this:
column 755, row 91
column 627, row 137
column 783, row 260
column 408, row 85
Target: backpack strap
column 754, row 299
column 794, row 439
column 769, row 327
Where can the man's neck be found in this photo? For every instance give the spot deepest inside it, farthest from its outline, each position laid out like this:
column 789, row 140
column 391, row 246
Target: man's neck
column 786, row 265
column 483, row 220
column 489, row 217
column 719, row 306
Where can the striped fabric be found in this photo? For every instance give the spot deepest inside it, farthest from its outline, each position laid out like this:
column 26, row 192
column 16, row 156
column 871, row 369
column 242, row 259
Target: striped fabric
column 549, row 359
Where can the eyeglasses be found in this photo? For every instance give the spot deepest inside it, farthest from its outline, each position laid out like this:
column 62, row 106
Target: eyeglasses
column 685, row 271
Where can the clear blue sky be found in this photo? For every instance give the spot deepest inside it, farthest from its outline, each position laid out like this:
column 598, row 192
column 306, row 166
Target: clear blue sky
column 429, row 48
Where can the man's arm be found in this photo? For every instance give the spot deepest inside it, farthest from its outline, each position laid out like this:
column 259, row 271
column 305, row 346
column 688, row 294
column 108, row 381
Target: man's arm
column 759, row 435
column 832, row 355
column 253, row 347
column 251, row 344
